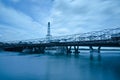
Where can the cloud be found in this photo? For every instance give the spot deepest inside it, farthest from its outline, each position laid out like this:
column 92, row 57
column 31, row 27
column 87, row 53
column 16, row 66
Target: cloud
column 23, row 21
column 17, row 25
column 83, row 16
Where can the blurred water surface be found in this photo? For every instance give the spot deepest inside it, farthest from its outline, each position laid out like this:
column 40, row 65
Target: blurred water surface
column 19, row 66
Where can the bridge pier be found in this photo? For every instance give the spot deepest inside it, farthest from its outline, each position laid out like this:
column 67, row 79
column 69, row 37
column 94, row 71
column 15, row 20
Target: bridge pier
column 61, row 50
column 33, row 50
column 68, row 49
column 92, row 51
column 99, row 49
column 42, row 49
column 76, row 50
column 99, row 55
column 36, row 50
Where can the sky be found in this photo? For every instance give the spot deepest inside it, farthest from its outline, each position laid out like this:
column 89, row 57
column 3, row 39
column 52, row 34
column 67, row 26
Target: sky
column 27, row 19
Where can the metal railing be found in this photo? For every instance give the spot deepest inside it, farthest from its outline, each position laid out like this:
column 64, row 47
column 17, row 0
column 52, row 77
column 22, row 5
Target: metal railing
column 90, row 36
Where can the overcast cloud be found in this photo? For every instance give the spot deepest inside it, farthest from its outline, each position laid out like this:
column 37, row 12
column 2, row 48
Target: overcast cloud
column 27, row 19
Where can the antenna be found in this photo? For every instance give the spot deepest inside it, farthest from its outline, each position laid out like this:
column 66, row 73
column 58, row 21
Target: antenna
column 48, row 33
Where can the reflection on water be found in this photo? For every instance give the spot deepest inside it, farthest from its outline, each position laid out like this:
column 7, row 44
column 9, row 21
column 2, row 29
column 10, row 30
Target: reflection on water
column 17, row 66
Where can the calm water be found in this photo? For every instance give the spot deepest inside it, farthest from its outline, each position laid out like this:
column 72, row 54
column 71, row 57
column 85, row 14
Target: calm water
column 17, row 66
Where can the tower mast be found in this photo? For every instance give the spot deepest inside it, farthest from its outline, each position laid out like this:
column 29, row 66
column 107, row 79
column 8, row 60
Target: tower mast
column 48, row 33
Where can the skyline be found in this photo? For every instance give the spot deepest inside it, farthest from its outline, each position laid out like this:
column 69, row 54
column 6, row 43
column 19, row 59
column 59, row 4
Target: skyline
column 27, row 19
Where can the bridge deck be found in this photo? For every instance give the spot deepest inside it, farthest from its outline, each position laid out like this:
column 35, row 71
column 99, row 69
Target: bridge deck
column 102, row 43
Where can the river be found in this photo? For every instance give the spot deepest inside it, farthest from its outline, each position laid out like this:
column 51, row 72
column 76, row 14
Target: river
column 21, row 66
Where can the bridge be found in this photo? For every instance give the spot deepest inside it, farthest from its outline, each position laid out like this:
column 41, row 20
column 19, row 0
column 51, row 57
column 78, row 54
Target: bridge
column 102, row 38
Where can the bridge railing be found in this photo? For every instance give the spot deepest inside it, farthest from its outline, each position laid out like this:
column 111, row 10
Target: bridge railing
column 96, row 35
column 89, row 36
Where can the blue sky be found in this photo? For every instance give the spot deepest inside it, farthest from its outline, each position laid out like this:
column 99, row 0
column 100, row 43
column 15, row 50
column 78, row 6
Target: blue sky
column 27, row 19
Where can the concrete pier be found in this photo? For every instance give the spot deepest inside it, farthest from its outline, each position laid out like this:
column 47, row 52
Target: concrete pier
column 76, row 50
column 68, row 50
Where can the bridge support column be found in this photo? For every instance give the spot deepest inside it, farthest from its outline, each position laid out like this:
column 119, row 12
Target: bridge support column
column 91, row 52
column 96, row 51
column 99, row 56
column 61, row 50
column 41, row 49
column 91, row 49
column 99, row 49
column 76, row 48
column 68, row 48
column 35, row 50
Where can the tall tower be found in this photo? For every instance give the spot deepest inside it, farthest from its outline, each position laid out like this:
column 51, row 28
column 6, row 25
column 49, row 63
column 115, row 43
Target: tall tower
column 48, row 36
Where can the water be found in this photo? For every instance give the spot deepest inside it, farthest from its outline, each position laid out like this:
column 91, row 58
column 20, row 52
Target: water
column 18, row 66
